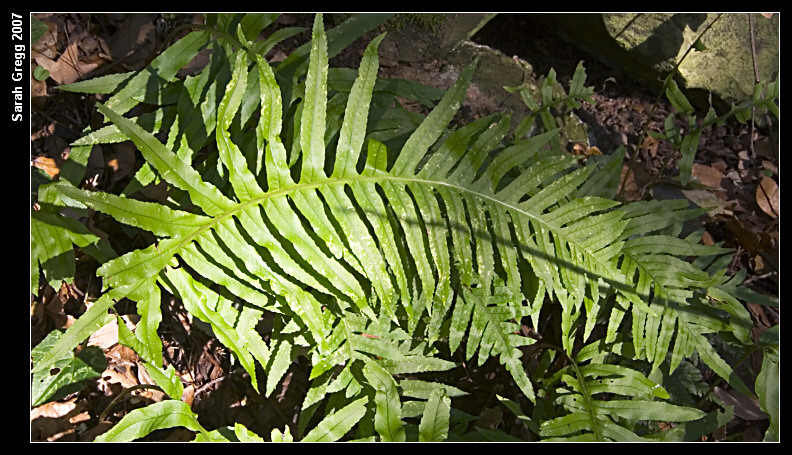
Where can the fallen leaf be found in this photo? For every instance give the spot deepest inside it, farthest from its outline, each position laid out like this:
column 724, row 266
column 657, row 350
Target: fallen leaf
column 53, row 409
column 50, row 421
column 629, row 188
column 744, row 407
column 758, row 267
column 743, row 236
column 708, row 175
column 189, row 394
column 708, row 200
column 768, row 197
column 762, row 322
column 766, row 148
column 134, row 41
column 106, row 336
column 720, row 166
column 48, row 165
column 650, row 144
column 490, row 418
column 768, row 165
column 69, row 67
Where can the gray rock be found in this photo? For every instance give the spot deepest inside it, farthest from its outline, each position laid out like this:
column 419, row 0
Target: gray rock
column 435, row 49
column 648, row 45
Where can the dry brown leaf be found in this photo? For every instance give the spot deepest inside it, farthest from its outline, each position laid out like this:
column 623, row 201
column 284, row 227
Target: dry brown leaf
column 720, row 166
column 768, row 197
column 51, row 421
column 106, row 336
column 744, row 407
column 711, row 200
column 762, row 321
column 759, row 266
column 48, row 165
column 769, row 166
column 490, row 418
column 708, row 175
column 188, row 395
column 69, row 67
column 743, row 236
column 135, row 40
column 630, row 188
column 53, row 409
column 766, row 148
column 120, row 363
column 650, row 144
column 46, row 44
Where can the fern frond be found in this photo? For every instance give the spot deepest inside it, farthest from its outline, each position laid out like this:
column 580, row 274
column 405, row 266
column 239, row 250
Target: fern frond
column 340, row 233
column 493, row 322
column 673, row 288
column 631, row 398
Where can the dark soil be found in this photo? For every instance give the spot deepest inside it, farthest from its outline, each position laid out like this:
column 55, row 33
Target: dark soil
column 221, row 393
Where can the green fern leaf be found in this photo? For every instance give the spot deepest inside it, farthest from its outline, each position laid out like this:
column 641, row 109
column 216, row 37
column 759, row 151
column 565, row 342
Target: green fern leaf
column 336, row 425
column 435, row 418
column 387, row 420
column 654, row 259
column 140, row 422
column 631, row 399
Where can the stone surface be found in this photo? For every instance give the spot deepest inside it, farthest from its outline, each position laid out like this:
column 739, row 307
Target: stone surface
column 435, row 52
column 647, row 45
column 424, row 37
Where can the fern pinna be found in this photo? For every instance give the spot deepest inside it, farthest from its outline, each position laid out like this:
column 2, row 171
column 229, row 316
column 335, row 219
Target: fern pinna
column 370, row 256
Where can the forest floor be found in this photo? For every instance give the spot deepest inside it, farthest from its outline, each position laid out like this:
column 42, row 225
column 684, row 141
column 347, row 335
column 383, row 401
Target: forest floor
column 738, row 165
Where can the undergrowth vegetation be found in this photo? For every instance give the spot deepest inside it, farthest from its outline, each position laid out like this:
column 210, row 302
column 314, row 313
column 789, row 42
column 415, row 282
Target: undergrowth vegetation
column 386, row 245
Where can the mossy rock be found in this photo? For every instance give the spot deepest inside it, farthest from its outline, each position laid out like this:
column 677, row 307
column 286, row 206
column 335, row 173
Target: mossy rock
column 445, row 41
column 724, row 65
column 648, row 45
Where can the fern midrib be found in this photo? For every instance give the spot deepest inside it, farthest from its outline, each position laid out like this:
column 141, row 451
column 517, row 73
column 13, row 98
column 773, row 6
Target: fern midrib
column 377, row 177
column 587, row 397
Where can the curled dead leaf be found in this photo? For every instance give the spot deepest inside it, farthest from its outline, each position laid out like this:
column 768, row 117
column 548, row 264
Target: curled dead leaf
column 189, row 394
column 581, row 150
column 650, row 144
column 768, row 197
